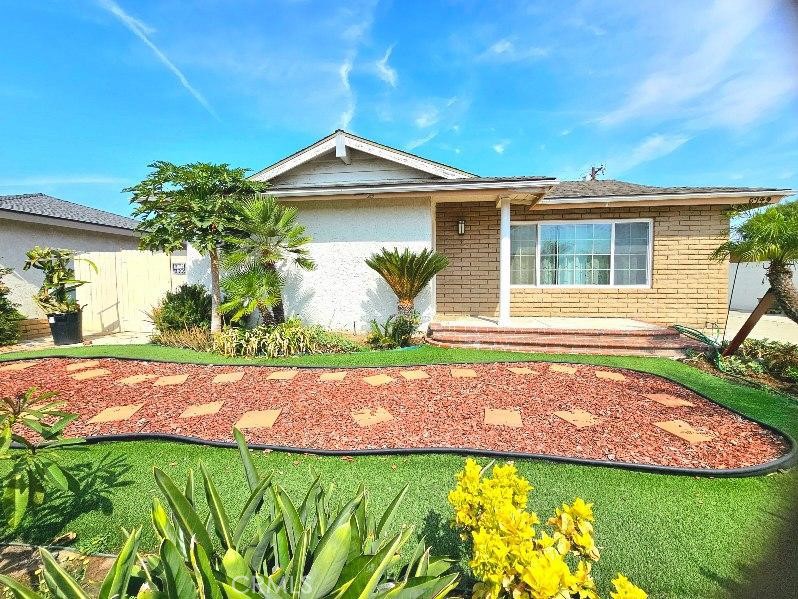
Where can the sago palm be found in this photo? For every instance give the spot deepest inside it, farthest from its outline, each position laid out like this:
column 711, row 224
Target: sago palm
column 770, row 236
column 269, row 233
column 407, row 273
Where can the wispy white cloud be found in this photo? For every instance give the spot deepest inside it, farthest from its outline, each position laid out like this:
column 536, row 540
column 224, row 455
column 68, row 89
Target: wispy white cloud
column 506, row 50
column 143, row 32
column 651, row 148
column 427, row 117
column 386, row 72
column 417, row 143
column 349, row 112
column 48, row 180
column 720, row 80
column 501, row 146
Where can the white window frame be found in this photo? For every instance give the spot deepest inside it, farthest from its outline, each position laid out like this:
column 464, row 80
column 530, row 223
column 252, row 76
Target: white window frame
column 607, row 221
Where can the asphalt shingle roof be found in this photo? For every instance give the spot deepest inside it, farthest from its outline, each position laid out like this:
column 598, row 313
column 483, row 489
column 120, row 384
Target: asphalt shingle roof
column 611, row 187
column 40, row 204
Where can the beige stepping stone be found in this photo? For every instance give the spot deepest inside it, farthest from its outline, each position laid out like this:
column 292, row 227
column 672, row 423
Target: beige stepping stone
column 258, row 419
column 368, row 416
column 522, row 370
column 377, row 380
column 332, row 376
column 463, row 373
column 81, row 365
column 579, row 418
column 116, row 413
column 94, row 373
column 499, row 417
column 137, row 378
column 670, row 401
column 414, row 375
column 282, row 375
column 228, row 377
column 16, row 366
column 683, row 430
column 562, row 368
column 609, row 375
column 202, row 409
column 175, row 379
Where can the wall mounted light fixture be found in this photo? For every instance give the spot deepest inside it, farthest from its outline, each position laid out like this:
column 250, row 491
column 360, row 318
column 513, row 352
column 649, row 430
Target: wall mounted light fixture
column 461, row 226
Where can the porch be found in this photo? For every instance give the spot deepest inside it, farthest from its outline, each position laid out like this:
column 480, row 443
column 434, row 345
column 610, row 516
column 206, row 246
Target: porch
column 614, row 336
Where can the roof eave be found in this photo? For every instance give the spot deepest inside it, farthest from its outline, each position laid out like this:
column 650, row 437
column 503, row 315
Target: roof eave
column 42, row 219
column 533, row 186
column 763, row 197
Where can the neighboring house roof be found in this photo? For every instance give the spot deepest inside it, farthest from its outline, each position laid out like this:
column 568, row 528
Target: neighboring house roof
column 341, row 141
column 602, row 188
column 42, row 205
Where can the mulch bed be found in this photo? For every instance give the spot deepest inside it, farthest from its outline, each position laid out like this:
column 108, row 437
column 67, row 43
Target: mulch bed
column 440, row 411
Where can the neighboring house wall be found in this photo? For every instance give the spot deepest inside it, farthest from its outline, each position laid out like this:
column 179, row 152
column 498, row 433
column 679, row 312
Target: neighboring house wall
column 17, row 237
column 364, row 167
column 688, row 287
column 750, row 285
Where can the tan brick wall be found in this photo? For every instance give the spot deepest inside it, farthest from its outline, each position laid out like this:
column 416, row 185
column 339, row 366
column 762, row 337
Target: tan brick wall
column 687, row 287
column 33, row 328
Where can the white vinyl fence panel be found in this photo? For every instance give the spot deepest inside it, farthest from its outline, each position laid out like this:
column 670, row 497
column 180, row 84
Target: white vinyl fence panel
column 125, row 288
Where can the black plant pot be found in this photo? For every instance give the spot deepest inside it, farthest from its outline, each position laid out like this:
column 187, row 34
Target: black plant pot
column 66, row 329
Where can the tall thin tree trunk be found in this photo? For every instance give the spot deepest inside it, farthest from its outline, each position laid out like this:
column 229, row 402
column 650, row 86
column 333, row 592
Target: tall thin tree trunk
column 216, row 292
column 278, row 310
column 780, row 277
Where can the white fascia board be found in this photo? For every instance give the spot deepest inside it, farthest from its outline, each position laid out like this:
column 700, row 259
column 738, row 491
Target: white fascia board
column 766, row 197
column 415, row 162
column 464, row 185
column 317, row 149
column 340, row 140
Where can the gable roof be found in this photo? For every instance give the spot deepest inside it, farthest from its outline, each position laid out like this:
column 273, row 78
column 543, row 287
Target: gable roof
column 607, row 188
column 340, row 140
column 42, row 205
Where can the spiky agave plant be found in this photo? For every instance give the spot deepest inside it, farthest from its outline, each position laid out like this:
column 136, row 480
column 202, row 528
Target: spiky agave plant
column 407, row 273
column 273, row 548
column 770, row 236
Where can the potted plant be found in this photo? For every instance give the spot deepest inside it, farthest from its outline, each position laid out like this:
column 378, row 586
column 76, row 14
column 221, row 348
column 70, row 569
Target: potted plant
column 56, row 297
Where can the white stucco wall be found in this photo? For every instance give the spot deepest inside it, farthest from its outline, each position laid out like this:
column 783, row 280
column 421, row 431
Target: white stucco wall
column 17, row 237
column 343, row 293
column 751, row 284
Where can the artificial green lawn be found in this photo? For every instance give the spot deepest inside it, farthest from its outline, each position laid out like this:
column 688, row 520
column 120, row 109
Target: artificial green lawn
column 677, row 536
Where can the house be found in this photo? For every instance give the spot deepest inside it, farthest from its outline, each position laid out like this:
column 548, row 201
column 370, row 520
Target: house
column 518, row 246
column 38, row 219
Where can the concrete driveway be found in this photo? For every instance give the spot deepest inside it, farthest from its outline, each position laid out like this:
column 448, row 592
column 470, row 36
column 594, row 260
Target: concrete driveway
column 775, row 328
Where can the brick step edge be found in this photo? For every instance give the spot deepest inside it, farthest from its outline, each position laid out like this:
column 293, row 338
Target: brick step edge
column 617, row 351
column 607, row 341
column 436, row 327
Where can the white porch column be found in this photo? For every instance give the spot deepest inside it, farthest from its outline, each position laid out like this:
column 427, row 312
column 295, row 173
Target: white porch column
column 504, row 263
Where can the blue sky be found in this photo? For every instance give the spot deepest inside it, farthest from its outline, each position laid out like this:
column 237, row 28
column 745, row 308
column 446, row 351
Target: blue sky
column 664, row 93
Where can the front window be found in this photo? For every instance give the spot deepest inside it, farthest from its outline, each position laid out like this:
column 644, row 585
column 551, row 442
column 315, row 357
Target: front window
column 580, row 253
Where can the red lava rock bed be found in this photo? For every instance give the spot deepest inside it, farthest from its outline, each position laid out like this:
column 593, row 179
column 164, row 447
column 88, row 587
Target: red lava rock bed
column 440, row 411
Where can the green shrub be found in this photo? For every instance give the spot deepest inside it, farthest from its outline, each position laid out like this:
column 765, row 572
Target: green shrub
column 9, row 315
column 288, row 338
column 196, row 338
column 397, row 331
column 775, row 357
column 274, row 548
column 186, row 308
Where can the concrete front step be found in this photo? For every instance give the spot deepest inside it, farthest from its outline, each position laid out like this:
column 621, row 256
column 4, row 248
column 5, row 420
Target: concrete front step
column 659, row 342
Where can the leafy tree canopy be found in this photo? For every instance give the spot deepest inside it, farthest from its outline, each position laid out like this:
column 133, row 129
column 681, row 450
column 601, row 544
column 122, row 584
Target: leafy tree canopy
column 192, row 203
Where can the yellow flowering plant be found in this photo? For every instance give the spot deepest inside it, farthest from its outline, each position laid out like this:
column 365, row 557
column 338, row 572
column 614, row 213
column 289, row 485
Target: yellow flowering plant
column 511, row 558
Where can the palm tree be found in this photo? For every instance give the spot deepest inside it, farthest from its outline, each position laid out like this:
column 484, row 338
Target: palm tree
column 407, row 273
column 770, row 236
column 268, row 233
column 253, row 289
